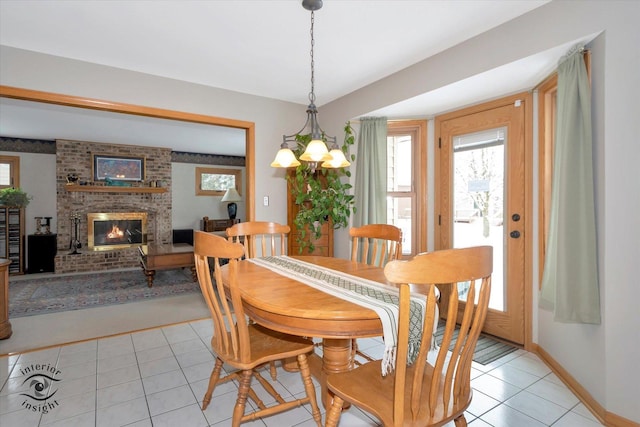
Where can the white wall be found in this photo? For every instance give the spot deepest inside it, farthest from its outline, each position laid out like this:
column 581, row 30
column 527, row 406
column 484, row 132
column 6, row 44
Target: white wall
column 188, row 209
column 602, row 358
column 38, row 179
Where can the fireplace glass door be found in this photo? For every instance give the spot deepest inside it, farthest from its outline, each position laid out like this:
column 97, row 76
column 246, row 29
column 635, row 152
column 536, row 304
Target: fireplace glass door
column 109, row 231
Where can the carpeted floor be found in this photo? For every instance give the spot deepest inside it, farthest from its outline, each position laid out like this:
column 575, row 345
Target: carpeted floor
column 52, row 294
column 487, row 349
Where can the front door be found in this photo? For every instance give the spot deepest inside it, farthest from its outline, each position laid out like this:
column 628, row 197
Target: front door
column 481, row 200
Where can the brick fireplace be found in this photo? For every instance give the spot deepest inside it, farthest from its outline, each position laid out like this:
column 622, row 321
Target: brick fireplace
column 75, row 157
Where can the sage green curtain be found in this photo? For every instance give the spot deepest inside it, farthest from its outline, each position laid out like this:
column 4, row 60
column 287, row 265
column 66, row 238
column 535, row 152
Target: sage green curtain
column 371, row 173
column 570, row 278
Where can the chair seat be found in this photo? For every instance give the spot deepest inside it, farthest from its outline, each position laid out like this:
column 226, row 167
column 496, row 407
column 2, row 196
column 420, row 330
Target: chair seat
column 358, row 383
column 267, row 346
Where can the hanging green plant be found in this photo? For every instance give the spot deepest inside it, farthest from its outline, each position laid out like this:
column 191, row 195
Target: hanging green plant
column 14, row 197
column 320, row 193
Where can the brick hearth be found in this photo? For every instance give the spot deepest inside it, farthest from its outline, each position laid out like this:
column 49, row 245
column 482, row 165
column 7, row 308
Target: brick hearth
column 76, row 157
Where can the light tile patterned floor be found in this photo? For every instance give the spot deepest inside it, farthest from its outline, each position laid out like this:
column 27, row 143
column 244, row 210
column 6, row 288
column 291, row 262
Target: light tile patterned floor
column 158, row 377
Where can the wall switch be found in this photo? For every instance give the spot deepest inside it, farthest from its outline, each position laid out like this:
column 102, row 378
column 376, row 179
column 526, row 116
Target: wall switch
column 265, row 201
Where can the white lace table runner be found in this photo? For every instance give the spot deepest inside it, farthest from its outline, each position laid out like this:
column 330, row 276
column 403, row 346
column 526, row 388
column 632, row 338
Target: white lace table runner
column 373, row 295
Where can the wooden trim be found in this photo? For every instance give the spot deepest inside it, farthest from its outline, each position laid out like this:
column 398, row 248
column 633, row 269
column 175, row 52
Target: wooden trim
column 218, row 171
column 546, row 127
column 550, row 81
column 528, row 207
column 613, row 420
column 117, row 107
column 250, row 172
column 14, row 165
column 497, row 103
column 112, row 189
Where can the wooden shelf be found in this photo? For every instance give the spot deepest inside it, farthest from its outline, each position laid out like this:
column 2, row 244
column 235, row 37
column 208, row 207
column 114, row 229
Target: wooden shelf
column 114, row 189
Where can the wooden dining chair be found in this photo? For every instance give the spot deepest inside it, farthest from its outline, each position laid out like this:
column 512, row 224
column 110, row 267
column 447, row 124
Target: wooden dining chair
column 376, row 244
column 242, row 345
column 373, row 244
column 436, row 387
column 260, row 238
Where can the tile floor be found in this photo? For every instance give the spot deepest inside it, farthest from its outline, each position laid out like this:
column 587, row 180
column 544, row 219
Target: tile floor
column 158, row 377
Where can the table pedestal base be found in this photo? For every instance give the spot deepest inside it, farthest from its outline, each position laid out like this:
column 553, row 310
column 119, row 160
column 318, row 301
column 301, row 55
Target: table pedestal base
column 336, row 358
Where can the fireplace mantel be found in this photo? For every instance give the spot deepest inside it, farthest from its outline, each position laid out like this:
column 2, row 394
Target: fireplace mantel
column 113, row 189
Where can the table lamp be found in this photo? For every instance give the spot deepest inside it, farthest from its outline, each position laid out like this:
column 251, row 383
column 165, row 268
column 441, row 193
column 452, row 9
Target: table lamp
column 232, row 196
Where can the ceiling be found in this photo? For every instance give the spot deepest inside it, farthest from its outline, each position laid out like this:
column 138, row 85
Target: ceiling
column 261, row 48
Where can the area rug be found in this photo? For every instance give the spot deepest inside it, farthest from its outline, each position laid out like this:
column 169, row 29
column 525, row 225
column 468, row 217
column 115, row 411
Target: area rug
column 52, row 294
column 487, row 349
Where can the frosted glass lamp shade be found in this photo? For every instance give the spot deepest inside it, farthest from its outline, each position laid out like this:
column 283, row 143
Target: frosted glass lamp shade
column 316, row 152
column 285, row 159
column 338, row 160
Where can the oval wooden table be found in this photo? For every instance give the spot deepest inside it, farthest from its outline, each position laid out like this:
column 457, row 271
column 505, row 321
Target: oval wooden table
column 289, row 306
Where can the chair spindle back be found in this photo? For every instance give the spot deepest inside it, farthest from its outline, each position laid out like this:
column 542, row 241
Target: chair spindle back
column 260, row 238
column 376, row 244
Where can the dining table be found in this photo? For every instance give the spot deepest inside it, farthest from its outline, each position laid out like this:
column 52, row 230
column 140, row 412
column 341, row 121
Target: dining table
column 288, row 305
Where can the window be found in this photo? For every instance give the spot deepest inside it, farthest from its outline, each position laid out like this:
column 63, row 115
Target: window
column 9, row 171
column 215, row 181
column 406, row 203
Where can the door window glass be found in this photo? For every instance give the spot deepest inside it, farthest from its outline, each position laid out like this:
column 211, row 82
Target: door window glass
column 479, row 200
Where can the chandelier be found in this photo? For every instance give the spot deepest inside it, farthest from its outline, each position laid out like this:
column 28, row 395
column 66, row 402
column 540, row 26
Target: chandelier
column 316, row 150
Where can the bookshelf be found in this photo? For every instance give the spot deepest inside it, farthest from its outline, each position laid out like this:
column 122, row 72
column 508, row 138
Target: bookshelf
column 12, row 237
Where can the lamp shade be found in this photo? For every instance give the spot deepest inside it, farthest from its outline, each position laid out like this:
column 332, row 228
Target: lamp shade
column 316, row 152
column 231, row 196
column 338, row 160
column 285, row 159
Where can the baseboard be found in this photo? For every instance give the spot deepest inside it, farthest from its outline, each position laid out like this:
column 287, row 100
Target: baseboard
column 613, row 420
column 607, row 418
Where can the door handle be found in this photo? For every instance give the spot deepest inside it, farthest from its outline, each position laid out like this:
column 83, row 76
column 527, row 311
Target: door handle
column 515, row 217
column 514, row 234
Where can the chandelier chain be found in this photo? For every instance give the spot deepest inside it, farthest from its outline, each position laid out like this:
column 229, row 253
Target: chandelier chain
column 312, row 95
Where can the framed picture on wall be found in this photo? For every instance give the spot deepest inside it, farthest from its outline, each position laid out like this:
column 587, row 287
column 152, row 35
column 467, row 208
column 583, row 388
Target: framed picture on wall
column 118, row 168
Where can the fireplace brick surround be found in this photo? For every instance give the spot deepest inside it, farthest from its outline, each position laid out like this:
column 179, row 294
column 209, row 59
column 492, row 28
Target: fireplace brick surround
column 76, row 157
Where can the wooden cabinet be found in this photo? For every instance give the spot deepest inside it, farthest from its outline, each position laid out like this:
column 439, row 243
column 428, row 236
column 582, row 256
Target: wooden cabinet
column 5, row 325
column 322, row 246
column 12, row 237
column 210, row 225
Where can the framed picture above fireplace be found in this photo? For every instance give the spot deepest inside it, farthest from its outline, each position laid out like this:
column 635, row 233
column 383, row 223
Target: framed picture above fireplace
column 118, row 168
